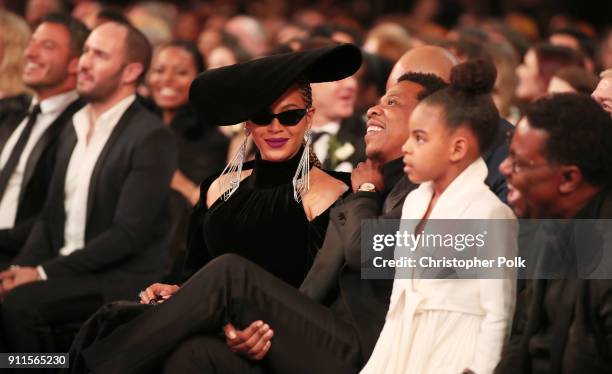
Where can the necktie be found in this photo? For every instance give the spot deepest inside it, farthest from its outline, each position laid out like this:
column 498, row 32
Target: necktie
column 13, row 160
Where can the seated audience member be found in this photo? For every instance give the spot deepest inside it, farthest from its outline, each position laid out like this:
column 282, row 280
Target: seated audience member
column 449, row 325
column 29, row 149
column 202, row 150
column 603, row 91
column 424, row 59
column 250, row 34
column 439, row 61
column 268, row 192
column 538, row 67
column 14, row 98
column 388, row 40
column 506, row 61
column 336, row 317
column 226, row 53
column 560, row 167
column 573, row 79
column 99, row 236
column 574, row 38
column 337, row 130
column 604, row 52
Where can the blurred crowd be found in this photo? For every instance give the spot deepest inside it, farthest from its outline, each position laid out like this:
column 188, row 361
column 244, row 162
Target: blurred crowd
column 59, row 65
column 516, row 37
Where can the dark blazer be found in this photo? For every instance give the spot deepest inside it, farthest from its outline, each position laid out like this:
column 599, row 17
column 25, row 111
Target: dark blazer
column 579, row 339
column 12, row 111
column 126, row 209
column 35, row 184
column 494, row 156
column 335, row 277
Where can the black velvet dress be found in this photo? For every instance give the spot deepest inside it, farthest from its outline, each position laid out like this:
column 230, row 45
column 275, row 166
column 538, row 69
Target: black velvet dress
column 261, row 221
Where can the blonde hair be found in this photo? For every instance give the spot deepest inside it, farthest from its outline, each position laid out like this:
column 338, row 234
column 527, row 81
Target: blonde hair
column 606, row 74
column 14, row 37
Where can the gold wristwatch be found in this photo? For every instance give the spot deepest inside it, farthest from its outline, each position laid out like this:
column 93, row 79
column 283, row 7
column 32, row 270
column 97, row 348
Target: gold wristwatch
column 367, row 187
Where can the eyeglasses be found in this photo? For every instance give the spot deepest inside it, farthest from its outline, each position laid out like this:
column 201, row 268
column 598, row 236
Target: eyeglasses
column 287, row 118
column 521, row 165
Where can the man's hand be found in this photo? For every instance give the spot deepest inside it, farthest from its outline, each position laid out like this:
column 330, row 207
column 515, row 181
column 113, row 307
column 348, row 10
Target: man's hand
column 253, row 342
column 159, row 292
column 368, row 171
column 17, row 276
column 6, row 280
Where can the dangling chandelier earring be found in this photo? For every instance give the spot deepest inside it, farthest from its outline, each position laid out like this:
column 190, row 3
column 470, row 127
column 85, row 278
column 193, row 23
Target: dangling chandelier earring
column 301, row 179
column 230, row 177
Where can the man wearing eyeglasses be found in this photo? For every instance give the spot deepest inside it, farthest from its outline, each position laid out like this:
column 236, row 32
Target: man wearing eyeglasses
column 560, row 167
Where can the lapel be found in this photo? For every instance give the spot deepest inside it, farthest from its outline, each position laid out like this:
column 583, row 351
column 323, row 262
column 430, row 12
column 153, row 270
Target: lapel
column 457, row 197
column 51, row 133
column 8, row 122
column 123, row 123
column 6, row 131
column 63, row 157
column 397, row 193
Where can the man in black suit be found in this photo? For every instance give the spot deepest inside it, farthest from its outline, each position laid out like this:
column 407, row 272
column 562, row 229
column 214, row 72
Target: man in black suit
column 330, row 325
column 560, row 167
column 28, row 148
column 100, row 235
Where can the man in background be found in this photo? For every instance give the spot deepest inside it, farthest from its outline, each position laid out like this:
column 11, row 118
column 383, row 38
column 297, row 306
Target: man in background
column 28, row 150
column 100, row 236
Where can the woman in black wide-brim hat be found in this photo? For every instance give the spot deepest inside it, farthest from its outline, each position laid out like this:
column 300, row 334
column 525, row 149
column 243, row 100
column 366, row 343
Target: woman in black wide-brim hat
column 273, row 210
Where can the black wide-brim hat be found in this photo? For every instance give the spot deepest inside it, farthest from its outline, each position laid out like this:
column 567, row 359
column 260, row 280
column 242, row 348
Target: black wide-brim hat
column 233, row 94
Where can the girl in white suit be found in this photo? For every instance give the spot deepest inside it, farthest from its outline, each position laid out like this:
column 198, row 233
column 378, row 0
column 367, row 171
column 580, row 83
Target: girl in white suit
column 449, row 326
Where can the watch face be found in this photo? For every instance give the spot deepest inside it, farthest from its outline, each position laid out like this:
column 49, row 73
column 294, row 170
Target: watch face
column 368, row 187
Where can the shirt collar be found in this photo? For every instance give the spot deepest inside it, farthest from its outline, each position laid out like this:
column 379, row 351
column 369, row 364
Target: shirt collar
column 55, row 103
column 112, row 114
column 330, row 128
column 107, row 119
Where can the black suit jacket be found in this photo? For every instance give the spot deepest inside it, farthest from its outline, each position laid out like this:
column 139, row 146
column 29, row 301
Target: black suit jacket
column 494, row 156
column 579, row 339
column 335, row 277
column 126, row 210
column 12, row 111
column 36, row 179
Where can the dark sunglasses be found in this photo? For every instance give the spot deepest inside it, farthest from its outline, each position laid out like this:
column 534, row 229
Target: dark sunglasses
column 287, row 118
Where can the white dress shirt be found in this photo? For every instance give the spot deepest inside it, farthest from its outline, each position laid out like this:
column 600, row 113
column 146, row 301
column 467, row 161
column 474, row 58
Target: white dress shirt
column 50, row 109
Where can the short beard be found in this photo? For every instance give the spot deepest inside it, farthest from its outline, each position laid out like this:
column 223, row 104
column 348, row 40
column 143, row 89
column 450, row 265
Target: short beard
column 103, row 91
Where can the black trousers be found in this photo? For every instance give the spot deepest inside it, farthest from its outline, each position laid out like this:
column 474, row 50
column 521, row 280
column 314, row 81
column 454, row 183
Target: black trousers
column 43, row 316
column 208, row 354
column 309, row 337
